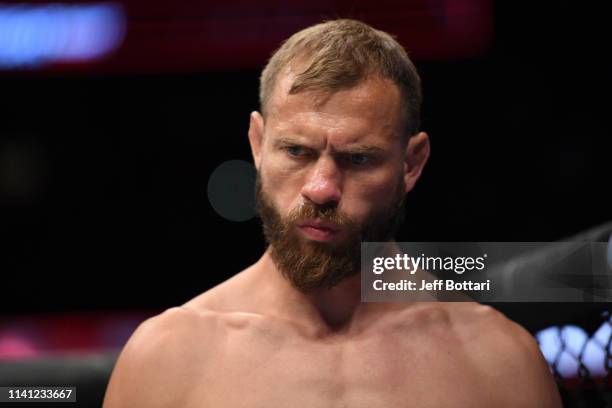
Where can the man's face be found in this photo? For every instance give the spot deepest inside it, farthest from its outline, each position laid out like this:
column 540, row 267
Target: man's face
column 330, row 175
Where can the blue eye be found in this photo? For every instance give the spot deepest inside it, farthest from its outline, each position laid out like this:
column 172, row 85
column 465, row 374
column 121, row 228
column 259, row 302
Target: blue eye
column 359, row 159
column 295, row 151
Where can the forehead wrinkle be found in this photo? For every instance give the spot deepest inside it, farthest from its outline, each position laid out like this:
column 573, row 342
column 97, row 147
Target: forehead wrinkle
column 323, row 130
column 300, row 114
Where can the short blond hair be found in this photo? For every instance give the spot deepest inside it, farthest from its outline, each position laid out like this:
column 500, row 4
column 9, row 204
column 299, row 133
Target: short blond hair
column 339, row 54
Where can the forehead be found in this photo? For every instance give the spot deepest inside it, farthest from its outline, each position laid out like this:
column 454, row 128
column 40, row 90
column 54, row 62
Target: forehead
column 372, row 107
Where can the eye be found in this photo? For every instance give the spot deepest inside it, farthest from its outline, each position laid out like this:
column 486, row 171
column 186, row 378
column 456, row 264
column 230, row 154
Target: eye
column 359, row 159
column 295, row 151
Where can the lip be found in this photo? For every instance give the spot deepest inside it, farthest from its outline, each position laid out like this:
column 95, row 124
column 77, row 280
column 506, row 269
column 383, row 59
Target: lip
column 319, row 230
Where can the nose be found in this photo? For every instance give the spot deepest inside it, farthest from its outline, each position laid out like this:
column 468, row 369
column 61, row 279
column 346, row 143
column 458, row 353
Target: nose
column 323, row 186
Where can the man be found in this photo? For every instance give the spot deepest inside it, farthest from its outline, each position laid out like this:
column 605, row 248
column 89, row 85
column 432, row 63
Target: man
column 337, row 147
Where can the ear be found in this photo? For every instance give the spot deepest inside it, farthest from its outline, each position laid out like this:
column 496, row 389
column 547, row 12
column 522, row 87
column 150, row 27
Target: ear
column 416, row 156
column 256, row 130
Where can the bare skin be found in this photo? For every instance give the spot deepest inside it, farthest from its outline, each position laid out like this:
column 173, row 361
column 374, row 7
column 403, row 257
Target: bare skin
column 256, row 341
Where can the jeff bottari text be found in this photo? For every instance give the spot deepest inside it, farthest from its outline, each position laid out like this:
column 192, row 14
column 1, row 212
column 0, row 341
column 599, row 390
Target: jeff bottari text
column 438, row 284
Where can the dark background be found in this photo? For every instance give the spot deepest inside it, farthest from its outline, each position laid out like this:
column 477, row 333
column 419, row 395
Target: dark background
column 104, row 204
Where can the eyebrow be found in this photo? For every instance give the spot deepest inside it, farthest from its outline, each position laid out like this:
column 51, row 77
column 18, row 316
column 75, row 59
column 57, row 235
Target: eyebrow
column 287, row 141
column 357, row 149
column 363, row 149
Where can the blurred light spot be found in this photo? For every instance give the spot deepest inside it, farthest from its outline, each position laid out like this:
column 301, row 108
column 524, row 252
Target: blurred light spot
column 15, row 345
column 33, row 35
column 567, row 365
column 603, row 333
column 564, row 347
column 594, row 359
column 231, row 190
column 574, row 338
column 550, row 343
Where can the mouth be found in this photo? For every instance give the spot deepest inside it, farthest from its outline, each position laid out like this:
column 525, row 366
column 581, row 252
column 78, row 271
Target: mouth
column 317, row 230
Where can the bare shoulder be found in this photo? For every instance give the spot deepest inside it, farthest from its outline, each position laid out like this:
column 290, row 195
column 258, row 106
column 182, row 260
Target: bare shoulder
column 230, row 295
column 155, row 365
column 488, row 331
column 506, row 354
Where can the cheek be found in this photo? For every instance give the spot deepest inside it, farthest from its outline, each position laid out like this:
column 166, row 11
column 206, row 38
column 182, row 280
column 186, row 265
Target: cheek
column 369, row 194
column 282, row 185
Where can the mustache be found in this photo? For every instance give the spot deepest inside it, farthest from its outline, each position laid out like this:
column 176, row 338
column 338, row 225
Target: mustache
column 327, row 213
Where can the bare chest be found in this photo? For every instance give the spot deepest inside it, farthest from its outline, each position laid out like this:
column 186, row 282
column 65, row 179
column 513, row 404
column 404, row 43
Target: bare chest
column 256, row 369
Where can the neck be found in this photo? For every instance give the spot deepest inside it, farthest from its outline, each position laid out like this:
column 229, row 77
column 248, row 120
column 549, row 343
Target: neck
column 322, row 310
column 337, row 306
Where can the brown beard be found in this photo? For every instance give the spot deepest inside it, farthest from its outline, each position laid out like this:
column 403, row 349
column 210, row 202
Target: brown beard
column 310, row 265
